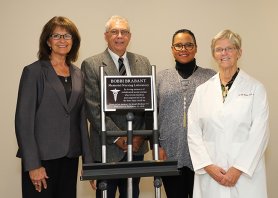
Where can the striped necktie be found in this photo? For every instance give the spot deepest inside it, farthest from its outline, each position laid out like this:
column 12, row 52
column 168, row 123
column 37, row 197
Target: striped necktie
column 122, row 70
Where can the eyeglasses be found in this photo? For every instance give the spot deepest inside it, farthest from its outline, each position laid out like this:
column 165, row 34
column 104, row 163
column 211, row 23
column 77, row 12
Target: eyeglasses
column 180, row 46
column 219, row 50
column 117, row 32
column 59, row 36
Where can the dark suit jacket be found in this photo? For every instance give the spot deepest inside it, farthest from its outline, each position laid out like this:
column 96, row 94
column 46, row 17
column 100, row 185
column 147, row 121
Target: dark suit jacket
column 115, row 121
column 47, row 126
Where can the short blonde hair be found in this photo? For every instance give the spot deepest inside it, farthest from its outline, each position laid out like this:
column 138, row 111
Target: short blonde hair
column 226, row 34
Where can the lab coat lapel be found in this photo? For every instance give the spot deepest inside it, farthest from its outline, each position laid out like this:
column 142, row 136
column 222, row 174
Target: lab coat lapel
column 218, row 91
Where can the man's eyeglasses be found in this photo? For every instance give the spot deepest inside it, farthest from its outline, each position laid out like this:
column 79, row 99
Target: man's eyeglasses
column 117, row 32
column 59, row 36
column 180, row 46
column 219, row 50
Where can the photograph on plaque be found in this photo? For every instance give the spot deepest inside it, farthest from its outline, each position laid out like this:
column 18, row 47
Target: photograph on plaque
column 128, row 93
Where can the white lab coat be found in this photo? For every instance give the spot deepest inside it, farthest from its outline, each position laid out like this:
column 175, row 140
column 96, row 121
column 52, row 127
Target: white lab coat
column 234, row 133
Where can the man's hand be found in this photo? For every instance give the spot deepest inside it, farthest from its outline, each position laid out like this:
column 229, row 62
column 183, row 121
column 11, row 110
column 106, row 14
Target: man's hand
column 137, row 142
column 38, row 177
column 122, row 143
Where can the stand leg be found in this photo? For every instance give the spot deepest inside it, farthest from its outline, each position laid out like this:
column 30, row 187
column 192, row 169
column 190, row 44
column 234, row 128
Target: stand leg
column 157, row 180
column 103, row 184
column 103, row 187
column 130, row 118
column 157, row 185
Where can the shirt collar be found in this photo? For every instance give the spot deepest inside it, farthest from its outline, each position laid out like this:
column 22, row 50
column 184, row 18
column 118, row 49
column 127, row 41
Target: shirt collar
column 115, row 57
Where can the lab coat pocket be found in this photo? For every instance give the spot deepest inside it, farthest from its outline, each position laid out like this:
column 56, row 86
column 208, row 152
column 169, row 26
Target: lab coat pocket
column 241, row 109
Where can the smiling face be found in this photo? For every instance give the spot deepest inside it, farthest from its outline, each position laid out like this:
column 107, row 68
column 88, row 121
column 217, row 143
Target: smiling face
column 61, row 46
column 226, row 54
column 118, row 37
column 184, row 55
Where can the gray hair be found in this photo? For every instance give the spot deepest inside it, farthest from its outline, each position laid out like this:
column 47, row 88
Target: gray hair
column 226, row 34
column 115, row 18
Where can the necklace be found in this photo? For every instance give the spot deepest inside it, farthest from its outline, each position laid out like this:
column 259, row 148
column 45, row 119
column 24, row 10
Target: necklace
column 184, row 83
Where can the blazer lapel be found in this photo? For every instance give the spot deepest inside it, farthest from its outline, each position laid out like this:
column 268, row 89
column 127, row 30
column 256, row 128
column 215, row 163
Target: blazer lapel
column 110, row 68
column 137, row 67
column 55, row 82
column 76, row 84
column 132, row 63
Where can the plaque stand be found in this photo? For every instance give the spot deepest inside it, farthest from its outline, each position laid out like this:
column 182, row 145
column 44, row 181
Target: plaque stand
column 104, row 171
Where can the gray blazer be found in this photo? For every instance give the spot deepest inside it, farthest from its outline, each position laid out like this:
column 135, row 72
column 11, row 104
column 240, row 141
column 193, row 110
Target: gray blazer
column 47, row 126
column 115, row 121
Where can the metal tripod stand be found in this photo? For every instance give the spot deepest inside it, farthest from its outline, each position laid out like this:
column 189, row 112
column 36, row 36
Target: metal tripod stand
column 130, row 168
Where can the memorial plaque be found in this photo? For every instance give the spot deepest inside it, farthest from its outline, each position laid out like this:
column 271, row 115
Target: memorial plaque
column 128, row 93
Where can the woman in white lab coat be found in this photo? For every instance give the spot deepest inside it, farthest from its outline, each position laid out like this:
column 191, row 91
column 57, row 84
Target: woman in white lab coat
column 228, row 128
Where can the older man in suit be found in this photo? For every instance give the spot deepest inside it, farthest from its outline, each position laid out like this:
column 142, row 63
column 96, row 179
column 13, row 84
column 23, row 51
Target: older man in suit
column 117, row 35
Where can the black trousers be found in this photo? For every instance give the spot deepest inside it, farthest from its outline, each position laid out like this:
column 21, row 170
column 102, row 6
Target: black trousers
column 180, row 186
column 121, row 184
column 61, row 183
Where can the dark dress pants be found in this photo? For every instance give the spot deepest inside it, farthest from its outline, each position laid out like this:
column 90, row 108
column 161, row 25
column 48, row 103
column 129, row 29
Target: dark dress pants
column 61, row 183
column 121, row 184
column 180, row 186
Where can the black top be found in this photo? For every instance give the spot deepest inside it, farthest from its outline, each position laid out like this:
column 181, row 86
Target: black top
column 187, row 69
column 66, row 81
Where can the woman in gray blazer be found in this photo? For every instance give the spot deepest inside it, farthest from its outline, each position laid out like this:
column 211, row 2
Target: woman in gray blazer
column 50, row 123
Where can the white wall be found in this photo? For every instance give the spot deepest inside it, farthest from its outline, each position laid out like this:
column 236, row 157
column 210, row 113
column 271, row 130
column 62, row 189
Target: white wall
column 152, row 24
